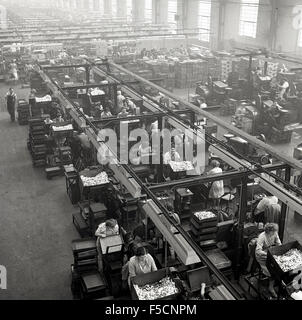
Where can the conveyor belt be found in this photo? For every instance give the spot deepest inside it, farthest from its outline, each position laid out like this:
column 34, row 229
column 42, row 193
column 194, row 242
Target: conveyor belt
column 256, row 142
column 241, row 160
column 245, row 163
column 77, row 113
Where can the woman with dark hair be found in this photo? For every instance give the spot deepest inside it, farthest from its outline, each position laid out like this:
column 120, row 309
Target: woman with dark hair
column 141, row 263
column 267, row 239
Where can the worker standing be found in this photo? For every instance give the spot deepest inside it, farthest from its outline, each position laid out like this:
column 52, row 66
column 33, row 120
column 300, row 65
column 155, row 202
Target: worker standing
column 203, row 105
column 172, row 155
column 268, row 210
column 120, row 102
column 130, row 106
column 217, row 187
column 14, row 70
column 11, row 99
column 32, row 99
column 284, row 87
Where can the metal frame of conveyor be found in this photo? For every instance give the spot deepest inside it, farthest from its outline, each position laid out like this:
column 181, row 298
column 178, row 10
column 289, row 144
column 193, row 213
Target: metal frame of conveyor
column 230, row 156
column 153, row 207
column 254, row 141
column 290, row 193
column 124, row 173
column 91, row 131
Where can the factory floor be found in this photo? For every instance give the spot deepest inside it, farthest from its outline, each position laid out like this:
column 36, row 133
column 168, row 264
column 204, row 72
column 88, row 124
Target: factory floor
column 36, row 229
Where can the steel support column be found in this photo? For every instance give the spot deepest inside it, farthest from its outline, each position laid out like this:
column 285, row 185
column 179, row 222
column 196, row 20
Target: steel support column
column 284, row 207
column 242, row 219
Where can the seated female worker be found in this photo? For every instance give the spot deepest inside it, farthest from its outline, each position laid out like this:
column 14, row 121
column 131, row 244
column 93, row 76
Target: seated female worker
column 105, row 229
column 108, row 228
column 141, row 263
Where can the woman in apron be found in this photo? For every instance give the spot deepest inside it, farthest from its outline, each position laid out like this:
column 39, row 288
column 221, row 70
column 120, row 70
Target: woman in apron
column 267, row 239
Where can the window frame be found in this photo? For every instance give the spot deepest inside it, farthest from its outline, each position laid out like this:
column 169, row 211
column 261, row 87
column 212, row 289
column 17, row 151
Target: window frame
column 114, row 4
column 204, row 20
column 129, row 4
column 172, row 22
column 248, row 20
column 147, row 11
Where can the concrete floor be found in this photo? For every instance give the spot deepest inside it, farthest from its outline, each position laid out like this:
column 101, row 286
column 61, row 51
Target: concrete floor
column 36, row 228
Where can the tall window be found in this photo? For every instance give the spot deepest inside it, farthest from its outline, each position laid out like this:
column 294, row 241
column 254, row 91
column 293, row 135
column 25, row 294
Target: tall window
column 300, row 39
column 129, row 10
column 248, row 18
column 114, row 8
column 172, row 12
column 204, row 20
column 148, row 11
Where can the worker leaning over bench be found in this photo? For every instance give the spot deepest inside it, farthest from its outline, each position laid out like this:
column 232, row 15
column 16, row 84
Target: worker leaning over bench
column 141, row 263
column 105, row 229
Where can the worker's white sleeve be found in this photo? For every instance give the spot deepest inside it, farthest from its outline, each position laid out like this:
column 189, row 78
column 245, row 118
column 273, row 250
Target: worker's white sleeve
column 116, row 229
column 259, row 248
column 101, row 230
column 262, row 204
column 285, row 85
column 166, row 159
column 131, row 269
column 278, row 241
column 153, row 265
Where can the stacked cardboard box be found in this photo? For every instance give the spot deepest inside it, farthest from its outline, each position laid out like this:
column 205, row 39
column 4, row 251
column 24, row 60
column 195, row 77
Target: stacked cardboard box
column 23, row 112
column 204, row 229
column 159, row 68
column 280, row 136
column 147, row 74
column 134, row 67
column 213, row 67
column 37, row 83
column 244, row 66
column 272, row 67
column 229, row 107
column 188, row 72
column 225, row 68
column 37, row 141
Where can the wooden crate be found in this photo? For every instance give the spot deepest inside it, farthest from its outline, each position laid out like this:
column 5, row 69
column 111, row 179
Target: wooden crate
column 274, row 267
column 149, row 278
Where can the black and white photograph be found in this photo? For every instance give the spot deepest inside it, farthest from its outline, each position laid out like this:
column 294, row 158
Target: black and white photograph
column 151, row 153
